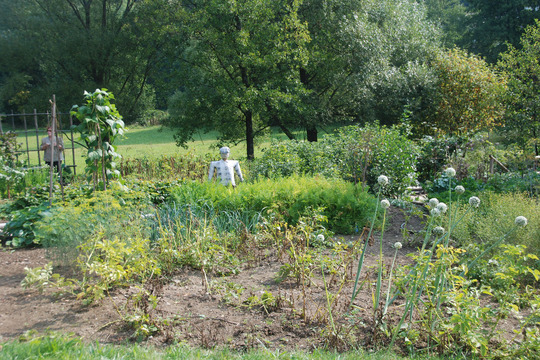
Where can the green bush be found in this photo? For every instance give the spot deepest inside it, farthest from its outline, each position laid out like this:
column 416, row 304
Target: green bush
column 365, row 153
column 345, row 205
column 114, row 212
column 495, row 218
column 286, row 158
column 355, row 154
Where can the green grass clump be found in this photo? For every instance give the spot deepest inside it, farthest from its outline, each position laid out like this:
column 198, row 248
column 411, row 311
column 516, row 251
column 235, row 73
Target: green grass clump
column 57, row 346
column 346, row 206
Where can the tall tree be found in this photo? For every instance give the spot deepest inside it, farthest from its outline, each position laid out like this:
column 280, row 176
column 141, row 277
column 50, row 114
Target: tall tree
column 522, row 123
column 493, row 24
column 240, row 65
column 451, row 17
column 468, row 96
column 366, row 60
column 79, row 45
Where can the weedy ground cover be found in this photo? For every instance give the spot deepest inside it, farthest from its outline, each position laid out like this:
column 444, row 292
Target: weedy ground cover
column 469, row 289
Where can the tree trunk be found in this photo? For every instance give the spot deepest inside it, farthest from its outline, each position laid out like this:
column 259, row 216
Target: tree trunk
column 249, row 135
column 311, row 133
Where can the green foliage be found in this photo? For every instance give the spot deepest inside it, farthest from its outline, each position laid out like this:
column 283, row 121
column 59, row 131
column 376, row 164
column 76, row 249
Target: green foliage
column 345, row 205
column 165, row 167
column 365, row 153
column 356, row 154
column 492, row 28
column 120, row 43
column 434, row 155
column 468, row 96
column 21, row 228
column 244, row 58
column 100, row 125
column 11, row 171
column 116, row 212
column 522, row 123
column 495, row 217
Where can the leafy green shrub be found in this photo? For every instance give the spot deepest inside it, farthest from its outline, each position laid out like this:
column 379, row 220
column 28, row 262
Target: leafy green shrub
column 494, row 219
column 113, row 212
column 434, row 155
column 356, row 154
column 345, row 205
column 21, row 227
column 365, row 153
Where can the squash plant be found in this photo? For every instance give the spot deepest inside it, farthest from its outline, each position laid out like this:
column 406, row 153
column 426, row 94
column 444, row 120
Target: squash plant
column 100, row 124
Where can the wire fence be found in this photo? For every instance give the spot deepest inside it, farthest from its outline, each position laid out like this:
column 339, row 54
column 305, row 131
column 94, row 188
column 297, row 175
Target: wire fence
column 31, row 127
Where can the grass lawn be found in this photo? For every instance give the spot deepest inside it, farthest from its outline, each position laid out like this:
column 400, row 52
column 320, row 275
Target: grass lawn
column 149, row 142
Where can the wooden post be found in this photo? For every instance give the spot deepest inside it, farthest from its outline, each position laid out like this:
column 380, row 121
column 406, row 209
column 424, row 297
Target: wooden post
column 26, row 137
column 53, row 133
column 37, row 137
column 72, row 145
column 491, row 165
column 12, row 121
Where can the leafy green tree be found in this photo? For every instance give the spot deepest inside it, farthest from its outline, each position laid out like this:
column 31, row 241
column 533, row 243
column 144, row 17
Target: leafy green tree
column 66, row 46
column 451, row 17
column 468, row 95
column 240, row 63
column 522, row 123
column 366, row 60
column 494, row 24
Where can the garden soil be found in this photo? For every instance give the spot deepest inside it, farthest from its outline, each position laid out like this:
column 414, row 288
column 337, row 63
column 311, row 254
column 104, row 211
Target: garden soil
column 190, row 312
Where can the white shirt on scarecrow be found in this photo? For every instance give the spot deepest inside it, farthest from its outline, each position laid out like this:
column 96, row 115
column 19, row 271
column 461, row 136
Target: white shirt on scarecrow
column 225, row 168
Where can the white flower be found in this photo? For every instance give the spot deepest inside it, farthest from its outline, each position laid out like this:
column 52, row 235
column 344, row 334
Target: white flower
column 438, row 230
column 460, row 189
column 474, row 201
column 320, row 237
column 385, row 204
column 450, row 172
column 435, row 212
column 382, row 180
column 521, row 221
column 433, row 202
column 442, row 207
column 398, row 245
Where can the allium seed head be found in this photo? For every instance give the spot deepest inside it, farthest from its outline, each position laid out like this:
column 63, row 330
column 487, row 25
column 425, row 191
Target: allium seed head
column 398, row 245
column 385, row 204
column 438, row 230
column 521, row 221
column 450, row 172
column 442, row 207
column 460, row 189
column 320, row 237
column 474, row 201
column 382, row 180
column 433, row 202
column 435, row 212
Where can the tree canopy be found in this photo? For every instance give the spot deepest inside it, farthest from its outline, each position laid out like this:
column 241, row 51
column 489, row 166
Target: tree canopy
column 468, row 95
column 523, row 69
column 68, row 46
column 252, row 64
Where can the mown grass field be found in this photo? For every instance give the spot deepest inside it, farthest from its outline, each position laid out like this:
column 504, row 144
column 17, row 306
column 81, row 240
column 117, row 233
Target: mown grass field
column 150, row 142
